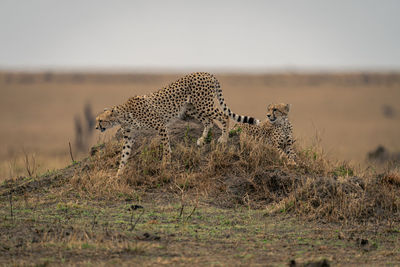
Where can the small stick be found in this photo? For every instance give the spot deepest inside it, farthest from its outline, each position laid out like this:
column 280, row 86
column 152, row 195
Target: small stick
column 137, row 220
column 11, row 207
column 70, row 152
column 181, row 211
column 94, row 221
column 27, row 167
column 191, row 213
column 131, row 219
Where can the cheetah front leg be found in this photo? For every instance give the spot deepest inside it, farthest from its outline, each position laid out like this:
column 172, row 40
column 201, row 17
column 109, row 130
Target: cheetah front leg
column 286, row 153
column 278, row 144
column 163, row 132
column 126, row 150
column 290, row 154
column 282, row 154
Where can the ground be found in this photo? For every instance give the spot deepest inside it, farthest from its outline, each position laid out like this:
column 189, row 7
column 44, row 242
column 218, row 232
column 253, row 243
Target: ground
column 219, row 205
column 47, row 229
column 79, row 215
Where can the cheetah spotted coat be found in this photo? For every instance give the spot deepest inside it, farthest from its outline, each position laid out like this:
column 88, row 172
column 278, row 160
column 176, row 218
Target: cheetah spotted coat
column 193, row 94
column 278, row 134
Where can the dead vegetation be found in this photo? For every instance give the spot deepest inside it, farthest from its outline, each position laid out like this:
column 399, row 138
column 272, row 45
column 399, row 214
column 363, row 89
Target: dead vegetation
column 200, row 207
column 247, row 172
column 39, row 109
column 230, row 205
column 243, row 172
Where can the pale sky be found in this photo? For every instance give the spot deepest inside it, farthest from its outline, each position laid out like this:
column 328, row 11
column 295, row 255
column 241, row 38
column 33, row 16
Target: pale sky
column 280, row 34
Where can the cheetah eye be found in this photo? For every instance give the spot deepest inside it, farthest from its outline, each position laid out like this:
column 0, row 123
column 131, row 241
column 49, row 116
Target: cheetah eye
column 274, row 109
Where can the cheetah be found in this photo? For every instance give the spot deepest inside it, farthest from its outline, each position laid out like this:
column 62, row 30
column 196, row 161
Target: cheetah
column 193, row 94
column 276, row 130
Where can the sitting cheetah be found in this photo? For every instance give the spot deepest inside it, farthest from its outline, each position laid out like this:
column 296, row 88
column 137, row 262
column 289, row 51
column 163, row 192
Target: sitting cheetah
column 276, row 130
column 193, row 94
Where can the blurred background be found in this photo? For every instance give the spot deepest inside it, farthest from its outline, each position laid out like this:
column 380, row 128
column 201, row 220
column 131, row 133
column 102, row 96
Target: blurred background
column 62, row 62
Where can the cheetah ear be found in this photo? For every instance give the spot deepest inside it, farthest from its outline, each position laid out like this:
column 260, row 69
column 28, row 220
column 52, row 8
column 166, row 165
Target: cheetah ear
column 269, row 106
column 287, row 107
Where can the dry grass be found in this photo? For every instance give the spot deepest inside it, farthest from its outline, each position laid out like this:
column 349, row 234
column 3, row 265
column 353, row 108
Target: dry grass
column 234, row 204
column 391, row 177
column 243, row 172
column 38, row 110
column 227, row 204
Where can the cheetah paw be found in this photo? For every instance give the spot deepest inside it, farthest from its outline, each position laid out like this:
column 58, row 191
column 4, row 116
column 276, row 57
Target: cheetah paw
column 222, row 139
column 200, row 141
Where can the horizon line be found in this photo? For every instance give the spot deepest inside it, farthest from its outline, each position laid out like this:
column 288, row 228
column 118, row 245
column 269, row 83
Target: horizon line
column 173, row 70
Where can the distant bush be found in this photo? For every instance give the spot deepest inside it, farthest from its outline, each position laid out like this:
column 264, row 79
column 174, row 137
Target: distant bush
column 84, row 128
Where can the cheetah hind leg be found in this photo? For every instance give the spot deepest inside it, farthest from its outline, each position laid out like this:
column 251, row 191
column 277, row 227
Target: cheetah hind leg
column 207, row 123
column 207, row 127
column 224, row 120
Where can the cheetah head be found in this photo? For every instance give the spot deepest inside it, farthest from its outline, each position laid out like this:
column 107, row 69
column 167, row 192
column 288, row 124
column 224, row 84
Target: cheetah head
column 107, row 119
column 277, row 112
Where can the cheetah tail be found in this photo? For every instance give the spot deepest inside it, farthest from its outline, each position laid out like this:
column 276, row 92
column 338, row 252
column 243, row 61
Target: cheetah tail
column 227, row 111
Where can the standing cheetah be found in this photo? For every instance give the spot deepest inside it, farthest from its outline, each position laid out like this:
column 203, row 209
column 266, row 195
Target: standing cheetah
column 194, row 94
column 276, row 130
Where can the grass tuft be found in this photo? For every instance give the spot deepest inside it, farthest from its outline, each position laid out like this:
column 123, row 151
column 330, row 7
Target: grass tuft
column 243, row 172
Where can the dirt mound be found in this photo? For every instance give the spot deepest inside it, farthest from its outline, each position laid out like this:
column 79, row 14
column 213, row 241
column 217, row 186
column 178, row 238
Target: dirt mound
column 24, row 185
column 242, row 172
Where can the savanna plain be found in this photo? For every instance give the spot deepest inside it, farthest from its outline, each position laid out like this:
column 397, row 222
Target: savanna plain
column 218, row 205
